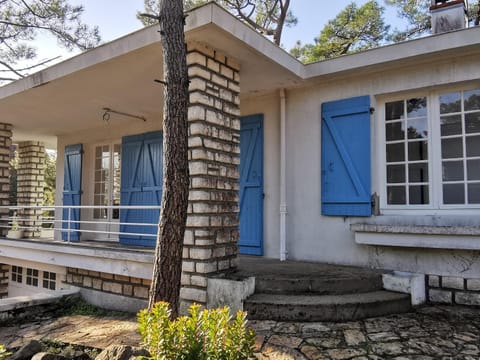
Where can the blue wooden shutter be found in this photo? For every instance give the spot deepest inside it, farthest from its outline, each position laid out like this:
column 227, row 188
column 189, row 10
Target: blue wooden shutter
column 251, row 185
column 141, row 184
column 72, row 191
column 346, row 157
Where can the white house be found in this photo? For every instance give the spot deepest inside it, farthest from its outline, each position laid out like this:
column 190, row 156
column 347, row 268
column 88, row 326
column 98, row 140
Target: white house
column 370, row 159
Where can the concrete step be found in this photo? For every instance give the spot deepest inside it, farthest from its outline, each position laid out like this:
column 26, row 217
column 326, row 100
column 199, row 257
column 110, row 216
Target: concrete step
column 328, row 285
column 344, row 307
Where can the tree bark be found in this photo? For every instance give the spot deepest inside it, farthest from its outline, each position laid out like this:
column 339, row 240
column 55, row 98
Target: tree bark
column 171, row 228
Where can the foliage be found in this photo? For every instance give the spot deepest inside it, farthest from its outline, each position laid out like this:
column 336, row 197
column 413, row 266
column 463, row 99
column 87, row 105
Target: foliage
column 205, row 334
column 416, row 13
column 266, row 16
column 20, row 23
column 3, row 352
column 353, row 29
column 50, row 178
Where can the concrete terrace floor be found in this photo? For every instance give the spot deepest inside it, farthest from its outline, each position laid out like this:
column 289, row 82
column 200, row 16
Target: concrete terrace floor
column 430, row 332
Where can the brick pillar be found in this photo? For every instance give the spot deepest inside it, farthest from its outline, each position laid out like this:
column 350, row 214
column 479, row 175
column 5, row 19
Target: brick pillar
column 5, row 145
column 4, row 270
column 210, row 244
column 30, row 182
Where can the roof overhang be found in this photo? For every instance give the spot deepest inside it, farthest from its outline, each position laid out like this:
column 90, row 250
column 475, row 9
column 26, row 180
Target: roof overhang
column 70, row 96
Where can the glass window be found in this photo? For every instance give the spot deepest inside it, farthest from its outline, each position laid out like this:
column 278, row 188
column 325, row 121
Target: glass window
column 32, row 277
column 460, row 147
column 49, row 280
column 107, row 181
column 407, row 151
column 17, row 274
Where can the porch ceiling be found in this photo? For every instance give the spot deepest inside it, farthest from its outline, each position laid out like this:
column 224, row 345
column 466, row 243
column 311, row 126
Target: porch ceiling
column 70, row 96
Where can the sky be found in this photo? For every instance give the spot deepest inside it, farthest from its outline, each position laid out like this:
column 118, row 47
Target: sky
column 116, row 18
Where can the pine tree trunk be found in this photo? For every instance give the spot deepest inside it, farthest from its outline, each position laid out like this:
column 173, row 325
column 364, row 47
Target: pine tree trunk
column 171, row 228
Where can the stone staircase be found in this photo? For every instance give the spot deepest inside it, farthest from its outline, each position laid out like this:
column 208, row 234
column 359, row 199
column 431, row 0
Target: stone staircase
column 298, row 291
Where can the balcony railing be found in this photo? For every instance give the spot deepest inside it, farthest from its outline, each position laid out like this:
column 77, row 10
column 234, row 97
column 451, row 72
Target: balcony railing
column 63, row 222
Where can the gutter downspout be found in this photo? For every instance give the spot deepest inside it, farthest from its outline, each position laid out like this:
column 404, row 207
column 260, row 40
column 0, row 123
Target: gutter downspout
column 283, row 178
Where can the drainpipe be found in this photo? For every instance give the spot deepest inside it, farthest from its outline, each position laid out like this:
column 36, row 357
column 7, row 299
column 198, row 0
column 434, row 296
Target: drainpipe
column 283, row 178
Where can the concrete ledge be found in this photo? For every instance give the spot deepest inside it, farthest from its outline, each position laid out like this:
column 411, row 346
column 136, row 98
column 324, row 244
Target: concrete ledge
column 222, row 291
column 112, row 301
column 418, row 236
column 20, row 302
column 407, row 283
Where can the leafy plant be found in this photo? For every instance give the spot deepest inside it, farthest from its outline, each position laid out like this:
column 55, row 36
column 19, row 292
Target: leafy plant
column 3, row 352
column 205, row 334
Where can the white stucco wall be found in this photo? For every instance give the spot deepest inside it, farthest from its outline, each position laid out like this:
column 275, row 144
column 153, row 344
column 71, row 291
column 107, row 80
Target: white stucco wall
column 311, row 236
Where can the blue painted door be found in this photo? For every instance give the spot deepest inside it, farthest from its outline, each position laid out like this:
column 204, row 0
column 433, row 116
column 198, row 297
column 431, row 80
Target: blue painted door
column 141, row 185
column 346, row 157
column 72, row 191
column 251, row 185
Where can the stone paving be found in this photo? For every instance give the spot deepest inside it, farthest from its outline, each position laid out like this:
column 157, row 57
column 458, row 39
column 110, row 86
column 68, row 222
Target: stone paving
column 432, row 332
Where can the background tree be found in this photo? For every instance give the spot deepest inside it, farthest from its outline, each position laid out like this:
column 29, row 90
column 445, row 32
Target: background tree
column 22, row 20
column 167, row 266
column 353, row 29
column 268, row 17
column 417, row 15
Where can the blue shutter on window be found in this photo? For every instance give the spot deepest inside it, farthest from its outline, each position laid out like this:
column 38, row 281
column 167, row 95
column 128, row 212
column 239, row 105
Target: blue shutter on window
column 346, row 157
column 141, row 185
column 72, row 191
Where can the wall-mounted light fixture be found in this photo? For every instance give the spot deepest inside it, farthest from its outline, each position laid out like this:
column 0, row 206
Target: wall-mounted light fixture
column 108, row 111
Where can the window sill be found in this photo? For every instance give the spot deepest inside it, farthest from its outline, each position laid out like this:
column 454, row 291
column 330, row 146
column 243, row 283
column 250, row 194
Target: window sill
column 418, row 236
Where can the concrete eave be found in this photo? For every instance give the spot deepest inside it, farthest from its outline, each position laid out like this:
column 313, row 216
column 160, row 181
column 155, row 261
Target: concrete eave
column 432, row 48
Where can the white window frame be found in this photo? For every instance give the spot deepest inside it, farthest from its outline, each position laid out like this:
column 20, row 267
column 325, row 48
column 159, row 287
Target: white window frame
column 111, row 145
column 436, row 206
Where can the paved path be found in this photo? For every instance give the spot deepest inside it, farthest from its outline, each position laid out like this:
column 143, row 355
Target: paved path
column 439, row 332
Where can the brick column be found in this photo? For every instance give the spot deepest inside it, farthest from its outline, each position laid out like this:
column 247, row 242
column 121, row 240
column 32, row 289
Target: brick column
column 4, row 271
column 30, row 183
column 210, row 244
column 5, row 148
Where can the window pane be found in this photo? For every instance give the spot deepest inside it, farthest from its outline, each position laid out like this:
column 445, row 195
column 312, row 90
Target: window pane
column 473, row 146
column 472, row 123
column 451, row 125
column 453, row 194
column 416, row 107
column 450, row 103
column 98, row 152
column 474, row 193
column 418, row 172
column 473, row 169
column 417, row 150
column 394, row 131
column 396, row 195
column 452, row 170
column 418, row 195
column 472, row 99
column 394, row 110
column 395, row 152
column 396, row 173
column 452, row 148
column 417, row 129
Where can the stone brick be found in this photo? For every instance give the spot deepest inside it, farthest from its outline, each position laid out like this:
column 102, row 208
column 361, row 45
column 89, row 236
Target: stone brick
column 433, row 281
column 467, row 298
column 440, row 296
column 193, row 294
column 200, row 254
column 87, row 282
column 206, row 267
column 140, row 292
column 453, row 282
column 122, row 278
column 473, row 284
column 97, row 284
column 112, row 287
column 127, row 290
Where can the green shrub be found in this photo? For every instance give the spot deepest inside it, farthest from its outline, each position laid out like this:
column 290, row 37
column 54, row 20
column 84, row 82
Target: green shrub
column 3, row 352
column 205, row 334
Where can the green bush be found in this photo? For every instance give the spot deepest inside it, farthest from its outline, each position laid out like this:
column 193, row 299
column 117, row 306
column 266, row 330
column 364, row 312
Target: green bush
column 3, row 352
column 205, row 334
